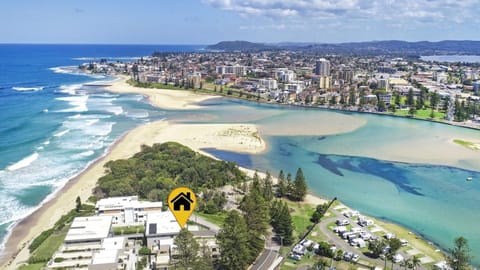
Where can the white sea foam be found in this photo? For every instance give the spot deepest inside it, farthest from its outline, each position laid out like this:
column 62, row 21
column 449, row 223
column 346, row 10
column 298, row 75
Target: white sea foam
column 79, row 103
column 89, row 116
column 25, row 162
column 117, row 110
column 137, row 114
column 62, row 70
column 83, row 154
column 46, row 142
column 28, row 89
column 70, row 89
column 61, row 133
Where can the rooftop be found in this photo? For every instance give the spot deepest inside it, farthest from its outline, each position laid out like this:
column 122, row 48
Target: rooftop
column 162, row 223
column 86, row 229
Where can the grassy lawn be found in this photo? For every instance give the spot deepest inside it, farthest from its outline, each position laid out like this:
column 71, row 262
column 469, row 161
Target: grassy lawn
column 35, row 266
column 216, row 219
column 301, row 214
column 423, row 114
column 129, row 230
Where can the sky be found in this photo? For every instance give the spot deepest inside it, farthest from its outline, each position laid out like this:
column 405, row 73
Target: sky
column 211, row 21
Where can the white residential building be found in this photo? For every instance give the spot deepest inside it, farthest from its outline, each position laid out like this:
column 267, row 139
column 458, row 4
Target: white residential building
column 232, row 70
column 285, row 75
column 269, row 84
column 126, row 210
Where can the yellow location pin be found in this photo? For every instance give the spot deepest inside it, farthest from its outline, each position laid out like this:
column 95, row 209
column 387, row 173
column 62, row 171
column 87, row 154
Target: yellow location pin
column 181, row 202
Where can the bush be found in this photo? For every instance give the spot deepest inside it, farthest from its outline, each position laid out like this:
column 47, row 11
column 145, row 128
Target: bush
column 144, row 251
column 59, row 259
column 39, row 240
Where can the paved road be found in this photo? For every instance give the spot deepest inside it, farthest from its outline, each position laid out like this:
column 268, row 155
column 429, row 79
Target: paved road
column 212, row 227
column 265, row 260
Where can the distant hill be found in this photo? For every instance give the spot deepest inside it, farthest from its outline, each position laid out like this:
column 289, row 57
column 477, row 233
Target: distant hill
column 239, row 45
column 369, row 48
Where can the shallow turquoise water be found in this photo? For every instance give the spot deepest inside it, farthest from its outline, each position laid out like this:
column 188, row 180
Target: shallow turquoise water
column 434, row 201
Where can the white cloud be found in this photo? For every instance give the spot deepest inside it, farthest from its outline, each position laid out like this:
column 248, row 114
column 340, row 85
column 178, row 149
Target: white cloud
column 388, row 11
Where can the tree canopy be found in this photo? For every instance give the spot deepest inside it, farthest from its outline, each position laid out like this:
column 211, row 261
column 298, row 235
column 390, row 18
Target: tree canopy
column 154, row 171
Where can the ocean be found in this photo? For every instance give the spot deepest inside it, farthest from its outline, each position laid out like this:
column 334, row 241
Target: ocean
column 52, row 127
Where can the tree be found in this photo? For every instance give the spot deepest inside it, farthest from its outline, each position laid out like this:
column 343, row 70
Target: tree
column 397, row 99
column 255, row 213
column 415, row 262
column 434, row 99
column 267, row 187
column 78, row 205
column 381, row 105
column 282, row 223
column 395, row 245
column 392, row 108
column 205, row 261
column 412, row 111
column 459, row 256
column 351, row 97
column 282, row 185
column 233, row 243
column 299, row 186
column 410, row 98
column 376, row 247
column 187, row 250
column 319, row 212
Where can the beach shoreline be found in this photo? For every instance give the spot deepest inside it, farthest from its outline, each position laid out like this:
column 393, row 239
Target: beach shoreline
column 44, row 217
column 230, row 137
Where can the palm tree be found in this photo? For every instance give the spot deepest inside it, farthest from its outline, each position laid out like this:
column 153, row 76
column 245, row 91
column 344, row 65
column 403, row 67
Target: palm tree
column 415, row 262
column 406, row 263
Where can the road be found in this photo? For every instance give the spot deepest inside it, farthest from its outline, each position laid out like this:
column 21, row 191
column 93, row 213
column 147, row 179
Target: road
column 265, row 260
column 210, row 226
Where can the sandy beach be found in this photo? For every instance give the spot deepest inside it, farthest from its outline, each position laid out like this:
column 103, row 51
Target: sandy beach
column 162, row 98
column 233, row 137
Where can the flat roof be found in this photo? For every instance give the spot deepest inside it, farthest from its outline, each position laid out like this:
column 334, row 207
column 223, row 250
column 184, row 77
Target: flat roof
column 105, row 256
column 124, row 202
column 84, row 229
column 113, row 243
column 161, row 223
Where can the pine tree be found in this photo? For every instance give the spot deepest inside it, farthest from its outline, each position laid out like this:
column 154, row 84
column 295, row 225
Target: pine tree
column 284, row 225
column 410, row 99
column 267, row 187
column 289, row 184
column 255, row 183
column 233, row 243
column 255, row 213
column 282, row 185
column 299, row 186
column 188, row 248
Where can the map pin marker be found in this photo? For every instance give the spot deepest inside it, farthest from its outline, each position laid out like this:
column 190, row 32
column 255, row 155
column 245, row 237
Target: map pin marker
column 181, row 202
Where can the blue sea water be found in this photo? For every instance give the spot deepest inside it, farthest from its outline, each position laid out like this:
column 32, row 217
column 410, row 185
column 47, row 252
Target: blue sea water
column 52, row 127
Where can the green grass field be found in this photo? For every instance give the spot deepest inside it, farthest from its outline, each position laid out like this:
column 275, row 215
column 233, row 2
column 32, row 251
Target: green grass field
column 216, row 219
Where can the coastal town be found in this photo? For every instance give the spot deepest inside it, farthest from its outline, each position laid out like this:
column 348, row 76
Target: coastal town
column 400, row 86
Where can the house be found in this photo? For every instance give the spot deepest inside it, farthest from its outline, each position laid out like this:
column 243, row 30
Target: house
column 182, row 200
column 89, row 229
column 126, row 210
column 160, row 227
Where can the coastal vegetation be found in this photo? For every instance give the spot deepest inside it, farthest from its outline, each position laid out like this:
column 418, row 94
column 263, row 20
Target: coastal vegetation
column 47, row 243
column 471, row 145
column 155, row 170
column 458, row 257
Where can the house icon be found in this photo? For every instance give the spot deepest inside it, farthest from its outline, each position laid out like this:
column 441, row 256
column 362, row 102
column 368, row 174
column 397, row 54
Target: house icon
column 182, row 199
